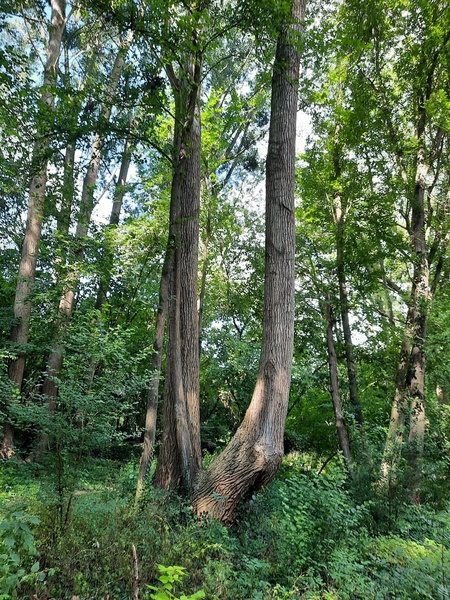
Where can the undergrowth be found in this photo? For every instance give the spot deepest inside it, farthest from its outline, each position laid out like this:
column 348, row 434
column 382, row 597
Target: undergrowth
column 304, row 537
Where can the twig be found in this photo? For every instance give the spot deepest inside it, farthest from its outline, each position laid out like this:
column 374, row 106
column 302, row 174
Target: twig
column 326, row 462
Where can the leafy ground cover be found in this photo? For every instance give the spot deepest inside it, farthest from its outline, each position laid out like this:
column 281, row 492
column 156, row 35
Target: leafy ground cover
column 306, row 537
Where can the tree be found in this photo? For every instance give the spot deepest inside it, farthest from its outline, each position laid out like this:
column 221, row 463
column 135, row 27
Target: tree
column 341, row 426
column 225, row 145
column 252, row 458
column 30, row 246
column 180, row 455
column 408, row 92
column 87, row 202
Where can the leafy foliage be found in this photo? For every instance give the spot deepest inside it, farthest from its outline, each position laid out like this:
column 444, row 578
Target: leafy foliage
column 68, row 519
column 168, row 576
column 306, row 537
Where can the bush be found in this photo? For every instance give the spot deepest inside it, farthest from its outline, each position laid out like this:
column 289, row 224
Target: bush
column 18, row 553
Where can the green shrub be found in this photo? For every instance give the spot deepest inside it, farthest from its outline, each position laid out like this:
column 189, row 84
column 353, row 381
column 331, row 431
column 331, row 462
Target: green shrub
column 168, row 576
column 18, row 553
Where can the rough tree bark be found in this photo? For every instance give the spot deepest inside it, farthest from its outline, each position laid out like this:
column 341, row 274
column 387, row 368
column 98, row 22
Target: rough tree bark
column 212, row 192
column 180, row 454
column 253, row 456
column 30, row 247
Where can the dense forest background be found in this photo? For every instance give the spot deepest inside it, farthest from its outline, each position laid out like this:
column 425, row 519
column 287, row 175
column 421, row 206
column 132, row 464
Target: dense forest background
column 157, row 280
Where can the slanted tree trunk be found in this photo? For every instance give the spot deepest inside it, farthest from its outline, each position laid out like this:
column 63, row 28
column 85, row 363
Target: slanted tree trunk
column 253, row 456
column 180, row 454
column 30, row 247
column 341, row 427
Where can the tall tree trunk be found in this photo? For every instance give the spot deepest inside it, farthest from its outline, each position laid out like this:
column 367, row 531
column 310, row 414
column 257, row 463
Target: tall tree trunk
column 411, row 370
column 253, row 456
column 339, row 219
column 67, row 300
column 152, row 401
column 153, row 393
column 27, row 267
column 341, row 427
column 30, row 247
column 180, row 455
column 420, row 297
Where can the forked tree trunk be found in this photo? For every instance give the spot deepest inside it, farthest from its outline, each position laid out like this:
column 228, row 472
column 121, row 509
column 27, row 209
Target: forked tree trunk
column 152, row 401
column 253, row 456
column 30, row 247
column 180, row 455
column 341, row 427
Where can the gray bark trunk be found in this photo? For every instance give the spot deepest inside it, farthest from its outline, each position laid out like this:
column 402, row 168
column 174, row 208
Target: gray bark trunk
column 30, row 247
column 67, row 300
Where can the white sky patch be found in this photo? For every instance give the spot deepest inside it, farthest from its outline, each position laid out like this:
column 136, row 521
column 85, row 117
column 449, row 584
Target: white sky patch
column 304, row 128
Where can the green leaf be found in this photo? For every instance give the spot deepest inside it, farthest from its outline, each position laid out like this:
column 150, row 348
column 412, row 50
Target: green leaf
column 35, row 567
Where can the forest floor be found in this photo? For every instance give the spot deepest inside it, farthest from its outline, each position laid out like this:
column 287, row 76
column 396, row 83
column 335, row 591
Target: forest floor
column 68, row 530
